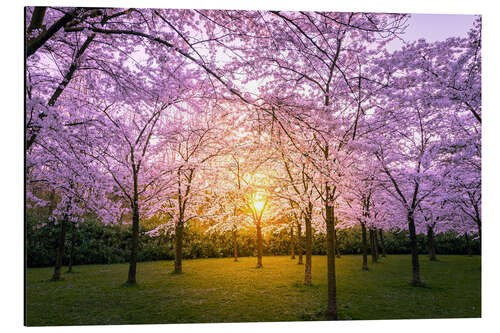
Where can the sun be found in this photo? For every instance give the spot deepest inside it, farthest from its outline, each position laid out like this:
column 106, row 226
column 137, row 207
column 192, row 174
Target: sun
column 259, row 205
column 259, row 201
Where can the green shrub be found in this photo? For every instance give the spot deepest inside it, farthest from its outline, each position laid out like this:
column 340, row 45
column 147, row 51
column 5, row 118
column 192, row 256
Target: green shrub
column 96, row 243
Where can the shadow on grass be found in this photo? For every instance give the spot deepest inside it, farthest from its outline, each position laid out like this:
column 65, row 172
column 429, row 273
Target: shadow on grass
column 129, row 285
column 303, row 287
column 320, row 316
column 423, row 286
column 312, row 316
column 52, row 280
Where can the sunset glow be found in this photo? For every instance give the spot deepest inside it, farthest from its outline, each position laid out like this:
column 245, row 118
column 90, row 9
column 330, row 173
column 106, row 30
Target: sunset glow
column 259, row 202
column 156, row 134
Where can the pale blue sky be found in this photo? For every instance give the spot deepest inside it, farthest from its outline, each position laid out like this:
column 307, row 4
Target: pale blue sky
column 433, row 27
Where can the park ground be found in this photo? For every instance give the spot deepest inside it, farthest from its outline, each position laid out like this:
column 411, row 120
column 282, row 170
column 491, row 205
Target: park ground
column 220, row 290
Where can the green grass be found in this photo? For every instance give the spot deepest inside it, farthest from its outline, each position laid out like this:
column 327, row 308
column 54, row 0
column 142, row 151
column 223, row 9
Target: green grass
column 220, row 290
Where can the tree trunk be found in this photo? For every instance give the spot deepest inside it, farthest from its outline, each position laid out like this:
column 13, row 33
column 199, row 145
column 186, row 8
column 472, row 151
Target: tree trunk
column 179, row 234
column 467, row 244
column 431, row 243
column 36, row 19
column 60, row 250
column 382, row 244
column 292, row 242
column 414, row 252
column 337, row 250
column 300, row 248
column 331, row 309
column 72, row 249
column 372, row 246
column 364, row 247
column 259, row 245
column 35, row 43
column 375, row 242
column 235, row 245
column 308, row 268
column 132, row 269
column 478, row 222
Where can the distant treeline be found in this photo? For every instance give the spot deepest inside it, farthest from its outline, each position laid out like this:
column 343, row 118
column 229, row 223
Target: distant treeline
column 95, row 243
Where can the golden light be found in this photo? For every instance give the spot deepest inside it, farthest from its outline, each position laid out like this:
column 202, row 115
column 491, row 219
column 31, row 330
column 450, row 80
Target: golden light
column 258, row 202
column 257, row 194
column 255, row 179
column 259, row 205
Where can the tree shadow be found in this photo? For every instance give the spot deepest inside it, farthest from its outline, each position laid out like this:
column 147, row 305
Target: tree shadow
column 128, row 284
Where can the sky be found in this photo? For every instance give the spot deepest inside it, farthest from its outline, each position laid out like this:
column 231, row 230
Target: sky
column 434, row 27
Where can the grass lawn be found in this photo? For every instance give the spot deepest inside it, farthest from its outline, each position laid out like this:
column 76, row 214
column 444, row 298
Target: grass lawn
column 220, row 290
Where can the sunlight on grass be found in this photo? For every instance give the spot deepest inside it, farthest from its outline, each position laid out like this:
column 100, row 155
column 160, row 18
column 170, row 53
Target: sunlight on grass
column 220, row 290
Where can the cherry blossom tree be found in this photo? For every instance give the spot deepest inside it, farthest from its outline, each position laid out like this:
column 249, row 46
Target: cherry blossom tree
column 265, row 119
